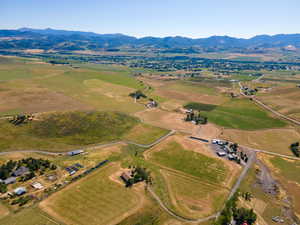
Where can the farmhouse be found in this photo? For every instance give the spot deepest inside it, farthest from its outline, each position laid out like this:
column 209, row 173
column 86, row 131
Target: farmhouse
column 21, row 171
column 125, row 176
column 75, row 152
column 20, row 191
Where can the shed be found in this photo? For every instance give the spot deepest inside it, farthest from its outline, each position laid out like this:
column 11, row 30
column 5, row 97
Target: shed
column 20, row 191
column 75, row 152
column 20, row 171
column 37, row 185
column 221, row 153
column 10, row 180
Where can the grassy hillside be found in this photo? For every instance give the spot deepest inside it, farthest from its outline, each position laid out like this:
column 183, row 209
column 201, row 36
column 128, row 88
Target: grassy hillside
column 62, row 131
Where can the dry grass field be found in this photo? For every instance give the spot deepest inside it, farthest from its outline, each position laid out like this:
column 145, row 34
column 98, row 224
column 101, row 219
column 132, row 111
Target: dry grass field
column 273, row 140
column 287, row 172
column 28, row 86
column 284, row 99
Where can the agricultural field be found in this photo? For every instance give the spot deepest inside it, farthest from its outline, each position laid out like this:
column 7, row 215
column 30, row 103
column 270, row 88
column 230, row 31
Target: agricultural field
column 239, row 114
column 185, row 91
column 29, row 216
column 192, row 163
column 284, row 99
column 273, row 140
column 94, row 200
column 191, row 183
column 34, row 86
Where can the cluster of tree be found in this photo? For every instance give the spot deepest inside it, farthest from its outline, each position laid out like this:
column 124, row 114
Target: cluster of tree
column 295, row 149
column 232, row 212
column 247, row 196
column 196, row 117
column 20, row 119
column 32, row 164
column 3, row 188
column 137, row 94
column 139, row 174
column 244, row 156
column 36, row 164
column 7, row 168
column 22, row 200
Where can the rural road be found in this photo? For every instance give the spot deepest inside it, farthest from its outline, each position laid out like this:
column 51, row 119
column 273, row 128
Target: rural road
column 95, row 146
column 258, row 102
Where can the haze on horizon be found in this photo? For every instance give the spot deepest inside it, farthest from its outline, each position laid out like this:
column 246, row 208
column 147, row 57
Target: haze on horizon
column 139, row 18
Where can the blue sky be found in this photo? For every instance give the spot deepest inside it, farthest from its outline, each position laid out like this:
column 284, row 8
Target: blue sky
column 190, row 18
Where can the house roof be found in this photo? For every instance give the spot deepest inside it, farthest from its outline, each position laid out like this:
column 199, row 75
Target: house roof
column 20, row 190
column 9, row 180
column 20, row 171
column 125, row 176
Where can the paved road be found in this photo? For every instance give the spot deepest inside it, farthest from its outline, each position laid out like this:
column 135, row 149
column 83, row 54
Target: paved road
column 258, row 102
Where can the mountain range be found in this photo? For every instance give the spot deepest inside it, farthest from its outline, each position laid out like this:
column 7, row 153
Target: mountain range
column 27, row 38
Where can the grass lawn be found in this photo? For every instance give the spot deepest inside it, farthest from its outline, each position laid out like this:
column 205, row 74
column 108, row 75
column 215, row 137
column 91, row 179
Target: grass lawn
column 242, row 114
column 145, row 134
column 176, row 157
column 93, row 200
column 63, row 131
column 29, row 216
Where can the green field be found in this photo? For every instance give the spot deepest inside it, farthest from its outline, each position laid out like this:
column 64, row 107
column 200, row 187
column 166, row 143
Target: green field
column 174, row 156
column 62, row 131
column 145, row 134
column 29, row 216
column 93, row 200
column 239, row 114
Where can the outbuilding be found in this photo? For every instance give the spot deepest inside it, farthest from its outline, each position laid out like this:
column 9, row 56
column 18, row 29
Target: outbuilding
column 20, row 191
column 10, row 180
column 75, row 152
column 37, row 185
